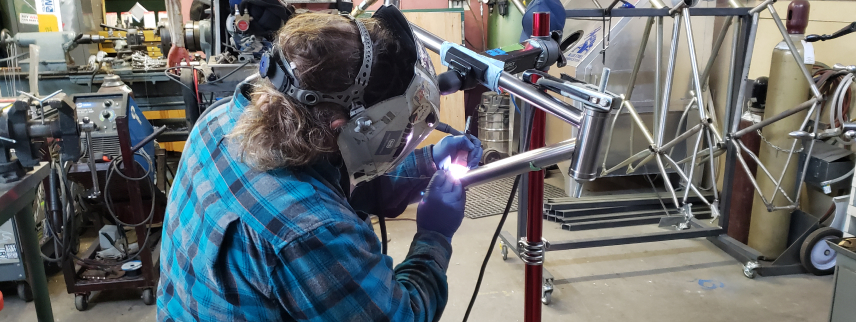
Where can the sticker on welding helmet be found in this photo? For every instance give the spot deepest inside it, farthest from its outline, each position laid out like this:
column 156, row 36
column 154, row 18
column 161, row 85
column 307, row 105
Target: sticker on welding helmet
column 389, row 140
column 11, row 251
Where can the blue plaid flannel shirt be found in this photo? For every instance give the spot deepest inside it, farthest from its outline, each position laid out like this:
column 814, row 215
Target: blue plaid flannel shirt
column 282, row 245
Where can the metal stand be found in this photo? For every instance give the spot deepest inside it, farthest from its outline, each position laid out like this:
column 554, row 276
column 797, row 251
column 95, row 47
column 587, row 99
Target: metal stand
column 147, row 280
column 16, row 200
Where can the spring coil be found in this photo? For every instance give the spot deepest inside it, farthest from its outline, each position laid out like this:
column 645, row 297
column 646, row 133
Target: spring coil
column 532, row 254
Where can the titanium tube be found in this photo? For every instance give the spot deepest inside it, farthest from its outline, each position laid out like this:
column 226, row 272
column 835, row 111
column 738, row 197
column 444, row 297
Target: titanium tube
column 658, row 64
column 512, row 84
column 429, row 40
column 540, row 100
column 520, row 7
column 716, row 47
column 670, row 74
column 699, row 95
column 799, row 108
column 520, row 163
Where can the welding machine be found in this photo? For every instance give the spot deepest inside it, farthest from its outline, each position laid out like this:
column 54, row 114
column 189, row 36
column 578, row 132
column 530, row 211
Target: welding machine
column 98, row 112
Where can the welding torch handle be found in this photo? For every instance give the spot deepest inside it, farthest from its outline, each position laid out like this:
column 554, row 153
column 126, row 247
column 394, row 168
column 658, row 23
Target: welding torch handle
column 148, row 139
column 446, row 128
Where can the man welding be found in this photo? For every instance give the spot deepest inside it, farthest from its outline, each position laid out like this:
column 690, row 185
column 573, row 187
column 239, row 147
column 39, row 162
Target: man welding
column 267, row 217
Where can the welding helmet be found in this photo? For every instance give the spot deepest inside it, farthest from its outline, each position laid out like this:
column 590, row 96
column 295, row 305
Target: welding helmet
column 382, row 129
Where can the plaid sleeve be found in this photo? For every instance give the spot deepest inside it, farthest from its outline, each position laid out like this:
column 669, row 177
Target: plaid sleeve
column 389, row 195
column 337, row 272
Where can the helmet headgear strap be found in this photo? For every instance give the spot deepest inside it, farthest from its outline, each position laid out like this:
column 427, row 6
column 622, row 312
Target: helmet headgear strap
column 282, row 74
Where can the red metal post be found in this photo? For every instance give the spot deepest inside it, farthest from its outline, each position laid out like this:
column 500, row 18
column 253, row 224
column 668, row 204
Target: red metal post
column 535, row 197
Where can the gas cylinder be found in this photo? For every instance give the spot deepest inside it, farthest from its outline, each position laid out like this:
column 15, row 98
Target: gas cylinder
column 768, row 231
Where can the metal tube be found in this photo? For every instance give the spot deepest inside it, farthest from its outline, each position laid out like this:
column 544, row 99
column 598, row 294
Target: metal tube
column 716, row 47
column 33, row 264
column 609, row 139
column 626, row 162
column 512, row 84
column 666, row 180
column 541, row 100
column 683, row 118
column 761, row 6
column 677, row 8
column 431, row 41
column 91, row 161
column 670, row 73
column 684, row 177
column 520, row 163
column 358, row 10
column 797, row 57
column 632, row 168
column 767, row 121
column 807, row 158
column 716, row 152
column 784, row 169
column 604, row 80
column 589, row 136
column 737, row 107
column 658, row 4
column 680, row 138
column 711, row 165
column 732, row 63
column 748, row 172
column 646, row 34
column 658, row 64
column 763, row 168
column 517, row 4
column 638, row 120
column 839, row 179
column 694, row 64
column 692, row 167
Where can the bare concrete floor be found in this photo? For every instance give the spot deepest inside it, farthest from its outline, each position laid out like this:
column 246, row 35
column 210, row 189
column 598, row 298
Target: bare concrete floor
column 685, row 280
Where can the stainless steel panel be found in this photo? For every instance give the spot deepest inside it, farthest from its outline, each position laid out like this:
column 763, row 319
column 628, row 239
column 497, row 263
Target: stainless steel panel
column 624, row 41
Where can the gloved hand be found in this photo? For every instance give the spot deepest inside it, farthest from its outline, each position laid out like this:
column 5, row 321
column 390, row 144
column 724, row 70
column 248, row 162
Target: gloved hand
column 442, row 208
column 450, row 145
column 268, row 16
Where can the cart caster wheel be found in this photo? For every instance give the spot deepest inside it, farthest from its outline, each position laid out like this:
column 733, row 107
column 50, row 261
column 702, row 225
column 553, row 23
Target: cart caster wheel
column 815, row 255
column 547, row 293
column 81, row 302
column 546, row 298
column 148, row 296
column 749, row 269
column 504, row 251
column 25, row 293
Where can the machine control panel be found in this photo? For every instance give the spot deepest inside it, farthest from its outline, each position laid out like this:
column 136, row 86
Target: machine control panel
column 102, row 109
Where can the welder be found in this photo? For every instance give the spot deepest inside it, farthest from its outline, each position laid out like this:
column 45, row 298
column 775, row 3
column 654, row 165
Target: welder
column 267, row 218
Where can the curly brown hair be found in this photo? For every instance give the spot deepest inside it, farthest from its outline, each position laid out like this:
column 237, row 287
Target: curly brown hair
column 276, row 130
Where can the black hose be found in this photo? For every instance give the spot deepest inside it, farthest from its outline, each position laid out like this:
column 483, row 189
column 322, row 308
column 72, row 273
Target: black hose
column 492, row 245
column 92, row 79
column 381, row 221
column 523, row 146
column 229, row 73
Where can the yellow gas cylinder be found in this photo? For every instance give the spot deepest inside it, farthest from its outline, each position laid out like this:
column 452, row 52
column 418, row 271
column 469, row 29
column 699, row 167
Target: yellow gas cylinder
column 768, row 231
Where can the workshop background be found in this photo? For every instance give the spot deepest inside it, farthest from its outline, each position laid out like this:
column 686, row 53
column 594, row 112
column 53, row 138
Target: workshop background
column 617, row 250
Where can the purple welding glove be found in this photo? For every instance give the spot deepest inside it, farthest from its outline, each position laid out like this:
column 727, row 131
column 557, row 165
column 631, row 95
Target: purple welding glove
column 449, row 146
column 442, row 207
